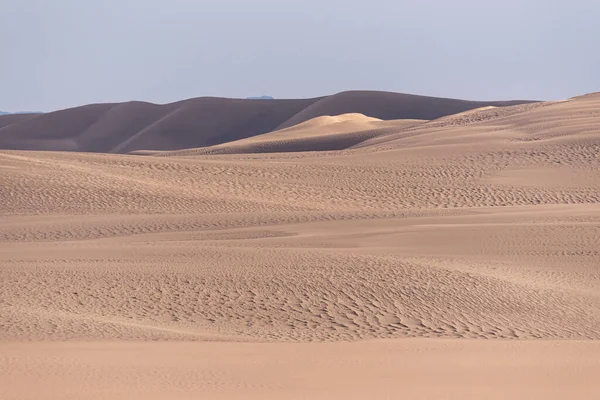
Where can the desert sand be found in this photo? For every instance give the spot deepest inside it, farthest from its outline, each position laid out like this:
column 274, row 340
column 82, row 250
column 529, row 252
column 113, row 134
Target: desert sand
column 419, row 369
column 456, row 257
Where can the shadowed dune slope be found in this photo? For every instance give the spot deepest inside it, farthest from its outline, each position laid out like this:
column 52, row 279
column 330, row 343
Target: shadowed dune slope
column 206, row 121
column 130, row 126
column 9, row 119
column 542, row 122
column 389, row 106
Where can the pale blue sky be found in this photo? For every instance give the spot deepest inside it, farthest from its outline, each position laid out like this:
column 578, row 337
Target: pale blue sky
column 62, row 53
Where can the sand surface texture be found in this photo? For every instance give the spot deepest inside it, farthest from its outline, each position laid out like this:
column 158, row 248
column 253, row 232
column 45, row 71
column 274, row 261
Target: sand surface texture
column 479, row 225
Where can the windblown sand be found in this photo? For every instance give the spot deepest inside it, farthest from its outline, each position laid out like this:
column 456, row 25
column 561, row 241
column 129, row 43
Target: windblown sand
column 391, row 258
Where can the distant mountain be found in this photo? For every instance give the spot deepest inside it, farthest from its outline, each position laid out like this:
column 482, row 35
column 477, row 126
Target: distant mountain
column 206, row 121
column 261, row 98
column 3, row 113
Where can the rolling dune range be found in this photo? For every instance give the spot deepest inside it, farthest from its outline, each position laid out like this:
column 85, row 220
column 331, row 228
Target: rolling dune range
column 204, row 121
column 339, row 230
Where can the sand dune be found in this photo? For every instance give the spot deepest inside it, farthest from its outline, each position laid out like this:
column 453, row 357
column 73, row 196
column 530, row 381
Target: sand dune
column 324, row 133
column 479, row 225
column 388, row 106
column 201, row 122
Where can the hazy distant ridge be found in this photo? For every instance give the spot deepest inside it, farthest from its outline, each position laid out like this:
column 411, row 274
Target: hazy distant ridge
column 205, row 121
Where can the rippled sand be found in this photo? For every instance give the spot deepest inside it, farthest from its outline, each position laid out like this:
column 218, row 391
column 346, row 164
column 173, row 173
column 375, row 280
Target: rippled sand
column 481, row 225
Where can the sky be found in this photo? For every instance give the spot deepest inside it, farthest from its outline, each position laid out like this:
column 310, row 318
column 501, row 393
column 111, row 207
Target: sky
column 63, row 53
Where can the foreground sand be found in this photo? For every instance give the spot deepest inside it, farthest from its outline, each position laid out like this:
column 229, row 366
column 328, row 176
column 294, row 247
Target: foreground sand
column 482, row 225
column 411, row 369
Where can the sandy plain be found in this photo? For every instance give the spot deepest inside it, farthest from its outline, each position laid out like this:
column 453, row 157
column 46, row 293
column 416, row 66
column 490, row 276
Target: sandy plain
column 452, row 258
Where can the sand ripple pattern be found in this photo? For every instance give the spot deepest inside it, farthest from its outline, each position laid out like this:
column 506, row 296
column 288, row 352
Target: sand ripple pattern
column 484, row 224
